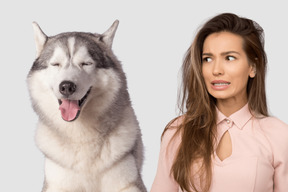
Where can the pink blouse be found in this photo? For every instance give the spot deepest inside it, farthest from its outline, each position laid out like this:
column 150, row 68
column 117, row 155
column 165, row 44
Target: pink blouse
column 258, row 163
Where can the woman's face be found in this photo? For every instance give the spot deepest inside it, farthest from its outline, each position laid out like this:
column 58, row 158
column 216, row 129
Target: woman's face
column 225, row 68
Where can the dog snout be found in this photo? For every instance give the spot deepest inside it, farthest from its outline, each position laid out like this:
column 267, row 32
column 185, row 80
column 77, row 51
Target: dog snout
column 67, row 88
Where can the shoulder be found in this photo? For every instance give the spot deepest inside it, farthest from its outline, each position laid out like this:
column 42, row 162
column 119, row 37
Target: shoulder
column 172, row 128
column 276, row 131
column 274, row 125
column 172, row 133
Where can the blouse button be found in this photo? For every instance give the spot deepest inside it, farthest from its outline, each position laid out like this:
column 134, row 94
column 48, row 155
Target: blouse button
column 229, row 122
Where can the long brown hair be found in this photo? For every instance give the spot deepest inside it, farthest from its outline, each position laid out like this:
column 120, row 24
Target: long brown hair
column 192, row 167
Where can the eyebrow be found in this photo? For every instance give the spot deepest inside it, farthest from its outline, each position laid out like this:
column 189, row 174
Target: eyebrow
column 224, row 53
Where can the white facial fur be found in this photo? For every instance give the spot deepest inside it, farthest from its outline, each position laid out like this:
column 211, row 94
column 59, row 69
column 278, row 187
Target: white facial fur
column 69, row 67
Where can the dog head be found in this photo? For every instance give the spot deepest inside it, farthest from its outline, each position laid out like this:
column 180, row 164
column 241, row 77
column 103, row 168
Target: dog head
column 69, row 66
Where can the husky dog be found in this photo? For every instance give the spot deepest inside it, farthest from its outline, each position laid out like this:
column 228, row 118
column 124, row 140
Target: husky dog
column 87, row 129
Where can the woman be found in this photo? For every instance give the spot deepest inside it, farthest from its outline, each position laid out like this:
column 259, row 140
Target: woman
column 225, row 139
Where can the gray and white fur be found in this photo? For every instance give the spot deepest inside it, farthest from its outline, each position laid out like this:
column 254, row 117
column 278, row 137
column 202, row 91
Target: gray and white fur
column 87, row 129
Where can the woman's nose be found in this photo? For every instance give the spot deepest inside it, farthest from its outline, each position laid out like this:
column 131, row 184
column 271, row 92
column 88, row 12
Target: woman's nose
column 218, row 68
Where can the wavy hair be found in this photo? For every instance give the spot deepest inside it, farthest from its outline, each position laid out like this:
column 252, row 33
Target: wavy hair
column 192, row 166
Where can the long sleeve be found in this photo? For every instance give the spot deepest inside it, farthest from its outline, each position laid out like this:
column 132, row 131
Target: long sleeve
column 277, row 133
column 164, row 181
column 281, row 174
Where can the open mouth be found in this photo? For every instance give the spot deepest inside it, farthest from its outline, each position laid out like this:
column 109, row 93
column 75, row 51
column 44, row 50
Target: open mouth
column 70, row 109
column 220, row 84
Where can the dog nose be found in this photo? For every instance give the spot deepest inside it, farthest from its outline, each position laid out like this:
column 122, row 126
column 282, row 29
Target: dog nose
column 67, row 88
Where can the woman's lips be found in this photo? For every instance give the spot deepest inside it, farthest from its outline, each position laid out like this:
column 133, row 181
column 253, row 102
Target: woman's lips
column 220, row 85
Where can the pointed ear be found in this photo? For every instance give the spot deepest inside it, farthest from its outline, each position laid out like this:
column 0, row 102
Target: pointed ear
column 40, row 38
column 108, row 36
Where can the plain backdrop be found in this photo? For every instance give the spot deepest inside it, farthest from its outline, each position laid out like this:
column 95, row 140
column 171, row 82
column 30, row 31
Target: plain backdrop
column 150, row 43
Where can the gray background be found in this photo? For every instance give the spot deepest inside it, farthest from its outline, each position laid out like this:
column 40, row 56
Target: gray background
column 150, row 42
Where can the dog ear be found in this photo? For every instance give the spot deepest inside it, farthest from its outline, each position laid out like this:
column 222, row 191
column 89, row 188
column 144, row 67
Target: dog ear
column 108, row 36
column 40, row 38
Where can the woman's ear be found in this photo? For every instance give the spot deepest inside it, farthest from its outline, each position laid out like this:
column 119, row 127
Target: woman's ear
column 253, row 71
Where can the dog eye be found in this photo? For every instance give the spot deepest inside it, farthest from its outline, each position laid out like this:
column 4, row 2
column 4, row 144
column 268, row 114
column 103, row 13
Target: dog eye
column 55, row 64
column 86, row 64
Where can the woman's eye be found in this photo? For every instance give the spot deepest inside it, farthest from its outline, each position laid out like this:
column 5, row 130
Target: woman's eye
column 207, row 59
column 230, row 58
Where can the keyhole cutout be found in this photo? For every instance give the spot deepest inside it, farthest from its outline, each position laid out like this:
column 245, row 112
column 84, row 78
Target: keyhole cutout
column 224, row 149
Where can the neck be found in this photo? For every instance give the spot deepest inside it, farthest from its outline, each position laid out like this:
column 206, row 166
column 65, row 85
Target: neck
column 228, row 108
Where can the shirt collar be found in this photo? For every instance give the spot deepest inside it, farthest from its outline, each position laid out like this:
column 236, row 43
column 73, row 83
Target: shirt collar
column 239, row 118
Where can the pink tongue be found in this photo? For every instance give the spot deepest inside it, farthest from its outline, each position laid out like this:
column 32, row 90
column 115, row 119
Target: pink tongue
column 69, row 109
